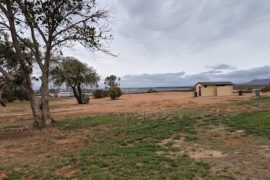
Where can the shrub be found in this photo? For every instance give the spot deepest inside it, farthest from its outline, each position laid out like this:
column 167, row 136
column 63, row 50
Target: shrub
column 115, row 92
column 112, row 83
column 249, row 90
column 85, row 99
column 266, row 89
column 151, row 90
column 54, row 92
column 99, row 93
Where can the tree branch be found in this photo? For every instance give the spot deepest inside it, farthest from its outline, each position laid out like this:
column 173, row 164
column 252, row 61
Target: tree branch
column 6, row 74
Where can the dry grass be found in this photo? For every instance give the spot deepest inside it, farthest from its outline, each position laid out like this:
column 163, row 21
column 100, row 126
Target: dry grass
column 62, row 108
column 174, row 129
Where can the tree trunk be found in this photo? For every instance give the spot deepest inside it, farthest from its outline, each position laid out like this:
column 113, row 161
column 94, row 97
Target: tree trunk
column 32, row 99
column 79, row 100
column 2, row 101
column 44, row 101
column 80, row 92
column 10, row 15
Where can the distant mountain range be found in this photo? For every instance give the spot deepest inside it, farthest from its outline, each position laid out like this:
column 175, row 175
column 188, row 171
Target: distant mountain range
column 259, row 82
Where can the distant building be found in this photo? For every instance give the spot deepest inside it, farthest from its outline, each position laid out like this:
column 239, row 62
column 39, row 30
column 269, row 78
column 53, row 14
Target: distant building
column 214, row 88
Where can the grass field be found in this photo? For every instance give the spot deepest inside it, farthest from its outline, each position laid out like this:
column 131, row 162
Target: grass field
column 215, row 141
column 256, row 123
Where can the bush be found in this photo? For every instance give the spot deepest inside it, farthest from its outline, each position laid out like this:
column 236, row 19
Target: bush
column 249, row 90
column 85, row 99
column 12, row 93
column 266, row 89
column 99, row 93
column 115, row 92
column 151, row 90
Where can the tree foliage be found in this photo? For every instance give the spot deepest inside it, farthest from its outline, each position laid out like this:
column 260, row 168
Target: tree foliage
column 11, row 90
column 100, row 93
column 113, row 85
column 74, row 74
column 52, row 25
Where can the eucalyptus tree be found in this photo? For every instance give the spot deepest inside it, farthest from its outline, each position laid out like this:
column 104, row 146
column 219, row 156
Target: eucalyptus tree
column 12, row 82
column 75, row 75
column 52, row 25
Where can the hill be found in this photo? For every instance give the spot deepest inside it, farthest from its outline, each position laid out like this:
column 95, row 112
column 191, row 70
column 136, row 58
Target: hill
column 259, row 82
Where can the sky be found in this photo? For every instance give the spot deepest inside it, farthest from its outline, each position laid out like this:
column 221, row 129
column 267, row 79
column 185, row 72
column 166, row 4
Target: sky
column 180, row 42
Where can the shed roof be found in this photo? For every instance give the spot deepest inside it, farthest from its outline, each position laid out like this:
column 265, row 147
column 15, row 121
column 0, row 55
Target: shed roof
column 215, row 83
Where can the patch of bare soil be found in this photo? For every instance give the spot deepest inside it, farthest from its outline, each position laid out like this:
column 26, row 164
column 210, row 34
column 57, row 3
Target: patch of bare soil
column 141, row 103
column 67, row 172
column 193, row 150
column 202, row 153
column 16, row 135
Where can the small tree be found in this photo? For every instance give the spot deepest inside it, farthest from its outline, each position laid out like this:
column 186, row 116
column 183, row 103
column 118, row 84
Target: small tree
column 74, row 74
column 112, row 83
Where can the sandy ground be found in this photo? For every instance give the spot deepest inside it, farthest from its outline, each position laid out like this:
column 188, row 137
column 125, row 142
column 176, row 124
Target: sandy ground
column 143, row 103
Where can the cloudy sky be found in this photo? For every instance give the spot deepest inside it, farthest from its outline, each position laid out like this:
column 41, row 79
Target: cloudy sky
column 179, row 42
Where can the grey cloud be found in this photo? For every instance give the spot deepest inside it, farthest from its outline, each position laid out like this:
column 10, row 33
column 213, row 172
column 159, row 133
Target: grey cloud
column 151, row 80
column 160, row 36
column 221, row 67
column 190, row 23
column 250, row 74
column 180, row 79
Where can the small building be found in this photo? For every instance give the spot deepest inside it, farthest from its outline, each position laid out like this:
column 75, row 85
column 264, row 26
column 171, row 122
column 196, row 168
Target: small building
column 214, row 88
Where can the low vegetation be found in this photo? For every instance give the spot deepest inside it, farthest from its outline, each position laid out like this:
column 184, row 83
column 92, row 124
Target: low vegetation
column 198, row 143
column 257, row 123
column 113, row 86
column 100, row 93
column 266, row 89
column 127, row 147
column 151, row 90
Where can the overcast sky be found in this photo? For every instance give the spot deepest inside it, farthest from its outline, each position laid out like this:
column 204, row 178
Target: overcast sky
column 179, row 42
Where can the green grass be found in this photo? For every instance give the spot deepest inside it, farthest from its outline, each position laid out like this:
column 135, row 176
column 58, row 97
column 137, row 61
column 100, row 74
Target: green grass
column 257, row 123
column 74, row 124
column 129, row 149
column 125, row 147
column 257, row 102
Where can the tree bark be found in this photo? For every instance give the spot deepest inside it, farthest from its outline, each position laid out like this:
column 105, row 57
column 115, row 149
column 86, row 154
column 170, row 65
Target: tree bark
column 6, row 74
column 79, row 100
column 2, row 101
column 18, row 52
column 44, row 101
column 80, row 92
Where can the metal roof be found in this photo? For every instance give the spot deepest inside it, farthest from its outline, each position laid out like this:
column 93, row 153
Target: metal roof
column 214, row 83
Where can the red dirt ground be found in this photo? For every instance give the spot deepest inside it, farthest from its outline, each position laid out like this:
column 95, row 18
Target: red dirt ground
column 143, row 103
